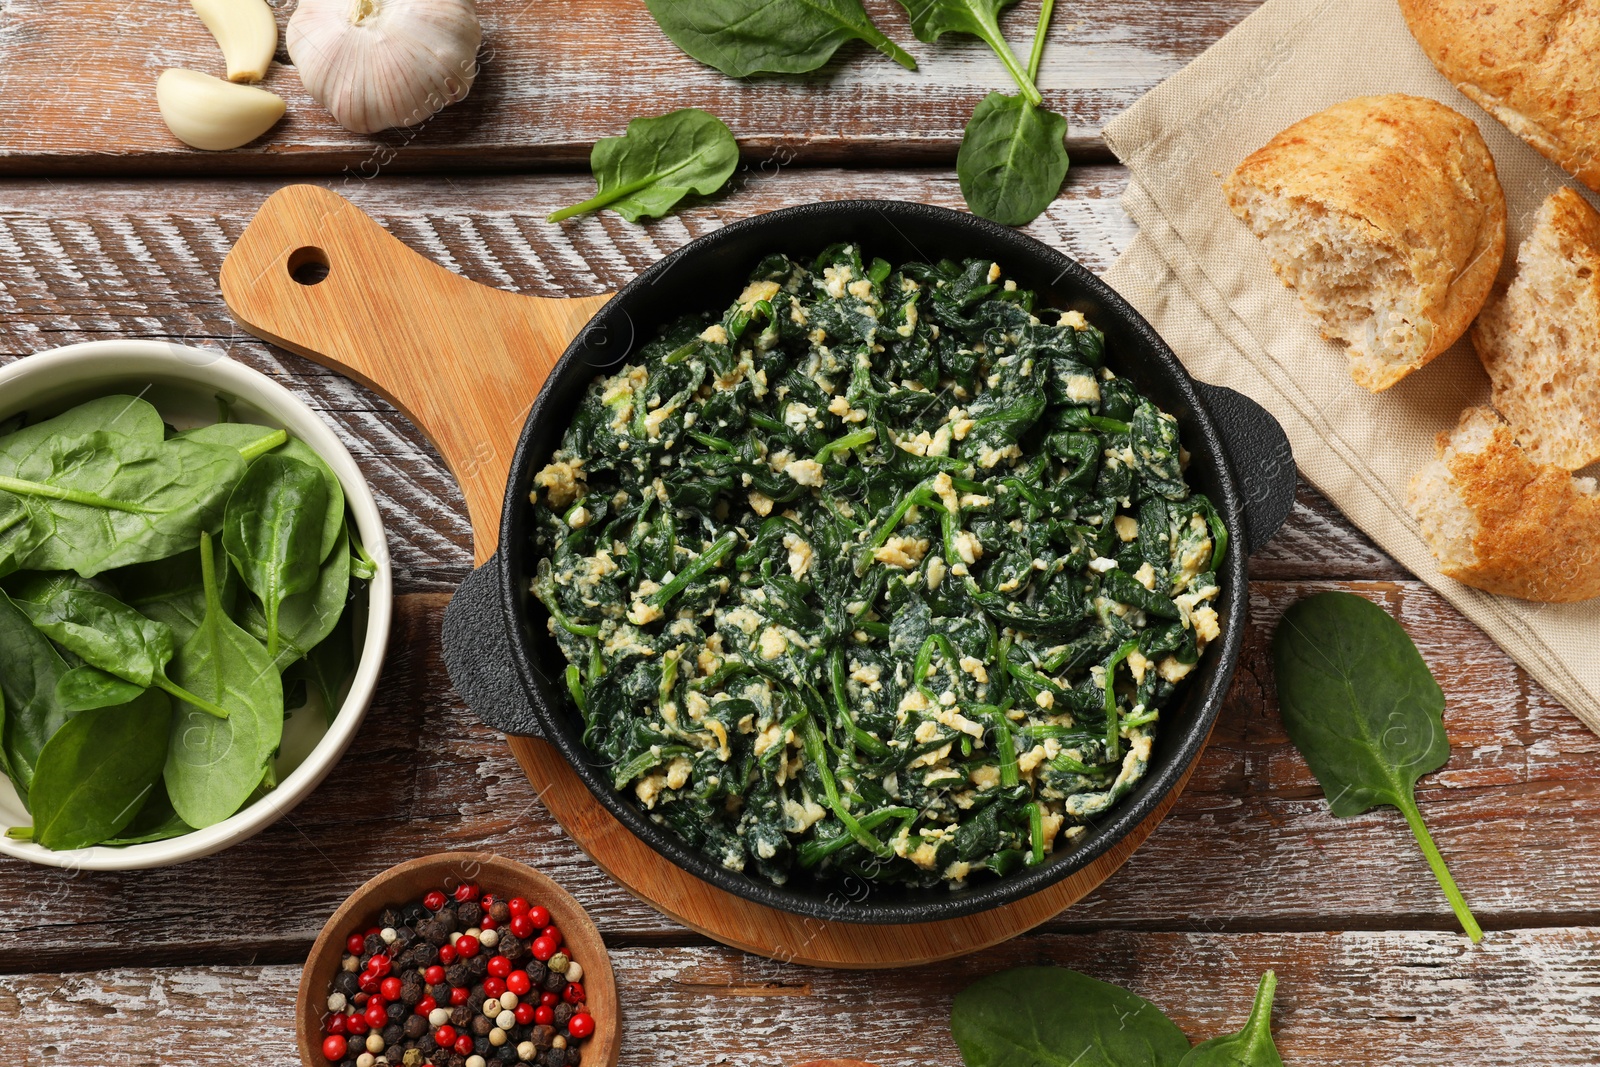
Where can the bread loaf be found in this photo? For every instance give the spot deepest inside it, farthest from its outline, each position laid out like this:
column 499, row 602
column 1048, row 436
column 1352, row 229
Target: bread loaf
column 1532, row 64
column 1540, row 339
column 1385, row 215
column 1500, row 522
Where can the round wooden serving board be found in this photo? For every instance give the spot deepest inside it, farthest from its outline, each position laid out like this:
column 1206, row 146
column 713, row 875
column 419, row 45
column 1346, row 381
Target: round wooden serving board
column 465, row 361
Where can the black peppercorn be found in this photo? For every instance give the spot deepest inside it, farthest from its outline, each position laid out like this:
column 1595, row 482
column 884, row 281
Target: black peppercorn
column 563, row 1013
column 440, row 993
column 542, row 1036
column 481, row 1025
column 440, row 1057
column 456, row 974
column 536, row 972
column 478, row 967
column 475, row 1000
column 507, row 1053
column 346, row 983
column 426, row 953
column 413, row 913
column 447, row 919
column 457, row 1060
column 405, row 935
column 426, row 1042
column 500, row 911
column 468, row 914
column 393, row 1032
column 390, row 918
column 397, row 1012
column 512, row 947
column 371, row 947
column 434, row 933
column 572, row 1056
column 552, row 983
column 460, row 1016
column 411, row 989
column 558, row 1057
column 416, row 1026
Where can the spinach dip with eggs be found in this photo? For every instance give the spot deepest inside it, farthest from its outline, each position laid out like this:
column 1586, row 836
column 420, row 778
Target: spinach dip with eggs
column 881, row 572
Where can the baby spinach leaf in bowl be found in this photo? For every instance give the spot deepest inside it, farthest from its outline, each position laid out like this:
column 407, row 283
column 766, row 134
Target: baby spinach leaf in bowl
column 1365, row 712
column 743, row 37
column 272, row 530
column 30, row 671
column 657, row 162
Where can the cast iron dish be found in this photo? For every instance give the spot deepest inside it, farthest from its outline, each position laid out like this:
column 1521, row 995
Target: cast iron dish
column 508, row 667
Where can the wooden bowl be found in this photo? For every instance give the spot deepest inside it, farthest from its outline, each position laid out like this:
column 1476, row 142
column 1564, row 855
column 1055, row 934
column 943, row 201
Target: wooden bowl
column 409, row 882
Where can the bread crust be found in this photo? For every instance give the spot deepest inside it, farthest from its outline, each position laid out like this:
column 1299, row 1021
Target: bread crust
column 1408, row 174
column 1540, row 340
column 1537, row 536
column 1532, row 64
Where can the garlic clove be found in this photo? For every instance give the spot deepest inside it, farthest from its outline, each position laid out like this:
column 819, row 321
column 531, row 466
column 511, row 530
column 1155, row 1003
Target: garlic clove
column 377, row 64
column 209, row 113
column 246, row 32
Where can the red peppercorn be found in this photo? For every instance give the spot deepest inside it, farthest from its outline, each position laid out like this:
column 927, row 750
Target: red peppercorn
column 544, row 1015
column 573, row 994
column 433, row 975
column 445, row 1036
column 519, row 983
column 524, row 1014
column 467, row 947
column 553, row 934
column 464, row 1044
column 333, row 1047
column 447, row 955
column 335, row 1023
column 487, row 902
column 581, row 1024
column 356, row 1025
column 390, row 988
column 539, row 915
column 458, row 996
column 493, row 987
column 380, row 965
column 426, row 1005
column 521, row 926
column 488, row 923
column 376, row 1017
column 368, row 982
column 355, row 944
column 434, row 900
column 549, row 1000
column 499, row 966
column 465, row 892
column 542, row 948
column 517, row 905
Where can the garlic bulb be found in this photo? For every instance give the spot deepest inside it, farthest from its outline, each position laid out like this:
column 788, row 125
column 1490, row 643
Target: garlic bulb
column 246, row 32
column 209, row 113
column 381, row 63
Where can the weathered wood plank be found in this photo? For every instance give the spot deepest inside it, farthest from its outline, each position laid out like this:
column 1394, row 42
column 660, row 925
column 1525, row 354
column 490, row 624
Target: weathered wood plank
column 1532, row 996
column 77, row 88
column 1249, row 846
column 86, row 261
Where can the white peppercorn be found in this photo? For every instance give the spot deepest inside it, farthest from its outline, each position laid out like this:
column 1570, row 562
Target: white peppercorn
column 506, row 1020
column 389, row 934
column 366, row 1059
column 351, row 964
column 491, row 1008
column 559, row 1042
column 527, row 1051
column 489, row 938
column 497, row 1037
column 337, row 1002
column 374, row 1042
column 508, row 1000
column 476, row 933
column 438, row 1017
column 574, row 971
column 476, row 1061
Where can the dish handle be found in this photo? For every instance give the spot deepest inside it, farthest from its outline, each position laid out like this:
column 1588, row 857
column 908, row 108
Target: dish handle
column 478, row 656
column 1261, row 458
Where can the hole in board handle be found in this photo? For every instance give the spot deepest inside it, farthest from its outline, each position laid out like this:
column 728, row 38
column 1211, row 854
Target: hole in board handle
column 308, row 265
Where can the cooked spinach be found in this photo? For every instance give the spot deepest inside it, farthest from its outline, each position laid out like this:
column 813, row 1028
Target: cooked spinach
column 213, row 765
column 272, row 530
column 104, row 633
column 881, row 572
column 1250, row 1047
column 1365, row 712
column 1053, row 1017
column 931, row 19
column 657, row 162
column 97, row 771
column 94, row 605
column 743, row 37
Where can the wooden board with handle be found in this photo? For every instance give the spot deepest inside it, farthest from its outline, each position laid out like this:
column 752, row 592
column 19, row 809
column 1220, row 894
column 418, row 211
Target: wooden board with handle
column 464, row 362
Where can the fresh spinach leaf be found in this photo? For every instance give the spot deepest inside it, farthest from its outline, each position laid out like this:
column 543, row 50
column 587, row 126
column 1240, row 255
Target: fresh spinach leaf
column 213, row 765
column 931, row 19
column 156, row 821
column 1053, row 1017
column 103, row 500
column 742, row 37
column 333, row 517
column 98, row 770
column 104, row 633
column 85, row 688
column 18, row 533
column 30, row 670
column 272, row 530
column 244, row 438
column 171, row 591
column 307, row 618
column 362, row 566
column 657, row 162
column 1013, row 159
column 1250, row 1047
column 329, row 666
column 126, row 415
column 1365, row 712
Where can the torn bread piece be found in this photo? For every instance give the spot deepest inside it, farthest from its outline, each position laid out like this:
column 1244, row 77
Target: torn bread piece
column 1540, row 339
column 1385, row 215
column 1500, row 522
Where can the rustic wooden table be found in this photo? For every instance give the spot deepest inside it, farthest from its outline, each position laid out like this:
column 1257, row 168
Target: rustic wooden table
column 108, row 228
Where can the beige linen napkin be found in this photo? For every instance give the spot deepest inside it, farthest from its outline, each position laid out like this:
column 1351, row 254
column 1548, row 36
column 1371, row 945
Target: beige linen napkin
column 1205, row 284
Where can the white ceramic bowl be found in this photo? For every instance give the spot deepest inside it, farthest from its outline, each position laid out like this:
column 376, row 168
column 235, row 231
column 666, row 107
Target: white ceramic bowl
column 183, row 384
